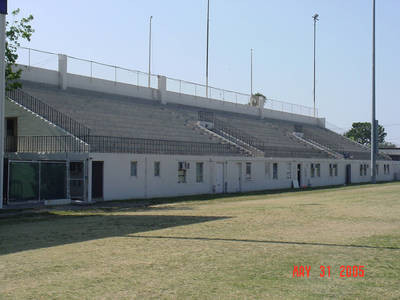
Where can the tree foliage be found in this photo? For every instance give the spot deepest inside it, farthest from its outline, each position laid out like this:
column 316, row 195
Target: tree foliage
column 387, row 145
column 16, row 30
column 361, row 133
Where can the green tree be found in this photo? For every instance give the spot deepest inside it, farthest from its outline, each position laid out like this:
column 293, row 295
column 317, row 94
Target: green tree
column 387, row 145
column 361, row 133
column 16, row 30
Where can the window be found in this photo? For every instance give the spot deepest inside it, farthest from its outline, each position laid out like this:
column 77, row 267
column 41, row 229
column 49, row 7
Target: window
column 318, row 169
column 363, row 169
column 199, row 172
column 312, row 171
column 333, row 170
column 133, row 168
column 377, row 169
column 248, row 171
column 182, row 172
column 386, row 169
column 289, row 171
column 157, row 169
column 275, row 171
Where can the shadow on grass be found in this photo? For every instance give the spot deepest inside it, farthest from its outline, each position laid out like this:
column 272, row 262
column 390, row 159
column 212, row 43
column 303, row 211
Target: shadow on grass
column 49, row 230
column 261, row 242
column 146, row 204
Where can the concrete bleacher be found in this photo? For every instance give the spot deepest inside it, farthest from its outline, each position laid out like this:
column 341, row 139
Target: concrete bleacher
column 117, row 116
column 120, row 116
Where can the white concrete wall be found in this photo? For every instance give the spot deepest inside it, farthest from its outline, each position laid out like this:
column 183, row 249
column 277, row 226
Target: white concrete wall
column 111, row 87
column 119, row 185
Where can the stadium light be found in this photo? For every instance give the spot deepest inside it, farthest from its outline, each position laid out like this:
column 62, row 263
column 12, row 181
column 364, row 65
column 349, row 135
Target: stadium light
column 316, row 18
column 251, row 72
column 373, row 122
column 151, row 18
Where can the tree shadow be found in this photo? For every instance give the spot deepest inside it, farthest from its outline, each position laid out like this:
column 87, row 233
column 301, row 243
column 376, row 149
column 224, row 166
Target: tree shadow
column 262, row 242
column 49, row 229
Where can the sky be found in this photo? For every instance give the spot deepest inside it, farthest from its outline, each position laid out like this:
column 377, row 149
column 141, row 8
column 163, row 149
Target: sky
column 280, row 32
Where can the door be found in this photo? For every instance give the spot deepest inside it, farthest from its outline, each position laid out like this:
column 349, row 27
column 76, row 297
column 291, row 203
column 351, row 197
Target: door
column 348, row 174
column 299, row 174
column 77, row 180
column 97, row 179
column 239, row 182
column 219, row 178
column 11, row 134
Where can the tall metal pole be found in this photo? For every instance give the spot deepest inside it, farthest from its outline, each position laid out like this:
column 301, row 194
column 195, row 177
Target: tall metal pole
column 208, row 42
column 3, row 12
column 150, row 52
column 315, row 17
column 251, row 72
column 373, row 122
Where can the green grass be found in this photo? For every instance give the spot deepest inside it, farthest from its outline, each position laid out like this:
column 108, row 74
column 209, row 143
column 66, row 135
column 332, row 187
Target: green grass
column 235, row 247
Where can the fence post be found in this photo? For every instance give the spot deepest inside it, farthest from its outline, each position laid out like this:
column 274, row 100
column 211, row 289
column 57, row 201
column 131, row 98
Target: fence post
column 162, row 88
column 62, row 71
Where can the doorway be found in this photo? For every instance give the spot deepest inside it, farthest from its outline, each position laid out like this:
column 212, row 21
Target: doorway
column 77, row 180
column 11, row 134
column 239, row 178
column 299, row 179
column 219, row 178
column 97, row 179
column 348, row 174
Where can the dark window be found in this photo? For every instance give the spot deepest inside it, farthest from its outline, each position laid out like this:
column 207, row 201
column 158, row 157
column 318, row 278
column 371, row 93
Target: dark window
column 157, row 169
column 275, row 171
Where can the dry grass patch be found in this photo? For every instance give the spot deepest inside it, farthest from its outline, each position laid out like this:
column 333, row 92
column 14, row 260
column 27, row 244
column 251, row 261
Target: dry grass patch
column 231, row 248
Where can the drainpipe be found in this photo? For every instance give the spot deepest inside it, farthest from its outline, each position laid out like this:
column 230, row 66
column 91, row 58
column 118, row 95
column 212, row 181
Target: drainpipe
column 145, row 178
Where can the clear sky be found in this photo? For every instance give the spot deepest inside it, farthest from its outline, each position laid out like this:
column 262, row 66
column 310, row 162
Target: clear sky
column 280, row 31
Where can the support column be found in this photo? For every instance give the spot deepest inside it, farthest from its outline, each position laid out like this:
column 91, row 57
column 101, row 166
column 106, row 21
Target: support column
column 261, row 103
column 3, row 13
column 162, row 88
column 89, row 180
column 62, row 71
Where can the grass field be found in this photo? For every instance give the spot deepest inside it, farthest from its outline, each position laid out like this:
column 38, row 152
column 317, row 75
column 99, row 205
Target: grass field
column 239, row 247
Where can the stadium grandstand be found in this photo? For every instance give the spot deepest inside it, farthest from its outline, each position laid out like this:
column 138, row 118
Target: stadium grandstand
column 75, row 135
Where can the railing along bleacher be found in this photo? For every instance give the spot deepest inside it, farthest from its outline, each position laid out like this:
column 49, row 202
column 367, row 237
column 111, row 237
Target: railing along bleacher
column 109, row 144
column 229, row 132
column 93, row 69
column 44, row 144
column 49, row 113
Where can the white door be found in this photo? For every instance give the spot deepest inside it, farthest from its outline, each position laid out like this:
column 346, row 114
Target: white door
column 219, row 178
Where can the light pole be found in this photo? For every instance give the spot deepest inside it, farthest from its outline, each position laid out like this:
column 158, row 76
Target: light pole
column 373, row 123
column 316, row 18
column 151, row 18
column 208, row 41
column 251, row 72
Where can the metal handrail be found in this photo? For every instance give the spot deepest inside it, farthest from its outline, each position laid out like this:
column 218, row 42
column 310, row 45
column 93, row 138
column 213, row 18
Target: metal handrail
column 44, row 144
column 230, row 132
column 110, row 144
column 222, row 94
column 49, row 113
